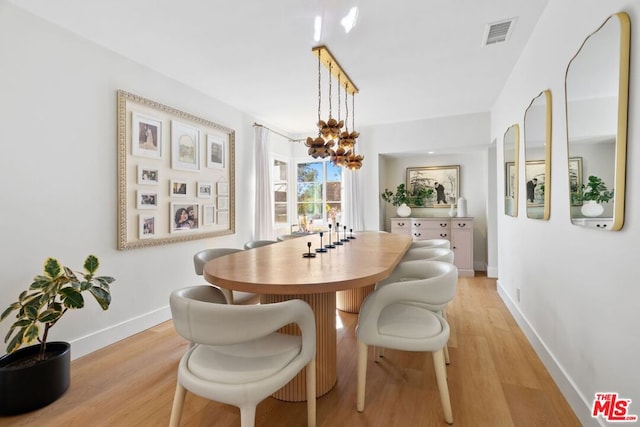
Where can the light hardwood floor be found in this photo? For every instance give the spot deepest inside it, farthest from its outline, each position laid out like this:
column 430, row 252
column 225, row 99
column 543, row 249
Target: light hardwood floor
column 495, row 379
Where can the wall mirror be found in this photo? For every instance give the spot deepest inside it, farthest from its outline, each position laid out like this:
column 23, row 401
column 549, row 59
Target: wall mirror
column 596, row 90
column 511, row 145
column 537, row 155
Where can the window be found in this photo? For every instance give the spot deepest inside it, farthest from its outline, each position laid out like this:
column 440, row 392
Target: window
column 319, row 192
column 280, row 192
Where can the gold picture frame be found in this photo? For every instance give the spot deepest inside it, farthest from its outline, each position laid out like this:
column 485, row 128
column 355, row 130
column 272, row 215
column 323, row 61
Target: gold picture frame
column 155, row 152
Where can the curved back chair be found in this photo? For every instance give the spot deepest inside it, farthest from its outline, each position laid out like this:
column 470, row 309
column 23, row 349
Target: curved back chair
column 284, row 237
column 238, row 358
column 429, row 253
column 431, row 243
column 444, row 279
column 396, row 316
column 257, row 243
column 233, row 297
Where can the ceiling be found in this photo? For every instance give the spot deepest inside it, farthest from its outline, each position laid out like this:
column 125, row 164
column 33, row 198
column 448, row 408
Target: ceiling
column 410, row 59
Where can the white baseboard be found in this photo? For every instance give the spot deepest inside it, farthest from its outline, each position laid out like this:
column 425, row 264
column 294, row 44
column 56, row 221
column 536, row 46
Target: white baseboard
column 104, row 337
column 567, row 387
column 492, row 272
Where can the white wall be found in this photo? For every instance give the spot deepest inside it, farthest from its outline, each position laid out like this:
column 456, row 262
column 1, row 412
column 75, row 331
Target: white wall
column 578, row 287
column 58, row 176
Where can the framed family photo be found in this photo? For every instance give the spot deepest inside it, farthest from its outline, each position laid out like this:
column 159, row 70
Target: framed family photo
column 146, row 199
column 148, row 175
column 185, row 217
column 146, row 136
column 147, row 226
column 178, row 188
column 216, row 151
column 185, row 146
column 205, row 189
column 444, row 180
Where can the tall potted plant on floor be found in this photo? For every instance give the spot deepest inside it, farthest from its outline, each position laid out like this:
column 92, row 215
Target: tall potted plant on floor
column 35, row 376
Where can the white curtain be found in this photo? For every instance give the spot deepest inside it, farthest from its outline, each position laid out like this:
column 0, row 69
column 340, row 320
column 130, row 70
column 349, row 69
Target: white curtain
column 352, row 206
column 263, row 225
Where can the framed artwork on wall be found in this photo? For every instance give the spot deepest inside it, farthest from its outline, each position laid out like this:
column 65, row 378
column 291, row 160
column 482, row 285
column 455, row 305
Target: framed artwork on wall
column 146, row 136
column 146, row 199
column 147, row 226
column 148, row 175
column 147, row 205
column 205, row 189
column 208, row 215
column 178, row 188
column 444, row 180
column 510, row 174
column 216, row 151
column 575, row 180
column 185, row 146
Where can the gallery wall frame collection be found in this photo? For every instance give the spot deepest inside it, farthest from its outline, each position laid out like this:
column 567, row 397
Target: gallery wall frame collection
column 176, row 175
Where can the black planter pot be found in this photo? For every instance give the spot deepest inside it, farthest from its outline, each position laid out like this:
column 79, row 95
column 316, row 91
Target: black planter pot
column 24, row 389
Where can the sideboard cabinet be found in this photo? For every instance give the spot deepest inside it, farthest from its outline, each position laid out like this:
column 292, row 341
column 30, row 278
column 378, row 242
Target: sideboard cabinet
column 459, row 231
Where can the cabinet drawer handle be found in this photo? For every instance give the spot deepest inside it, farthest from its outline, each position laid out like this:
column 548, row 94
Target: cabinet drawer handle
column 443, row 235
column 401, row 224
column 601, row 225
column 418, row 224
column 461, row 225
column 443, row 225
column 417, row 234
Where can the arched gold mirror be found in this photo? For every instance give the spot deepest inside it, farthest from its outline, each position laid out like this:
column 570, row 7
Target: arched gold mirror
column 537, row 155
column 511, row 145
column 597, row 91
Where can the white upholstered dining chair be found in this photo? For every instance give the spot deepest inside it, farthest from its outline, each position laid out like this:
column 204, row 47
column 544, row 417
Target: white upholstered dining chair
column 237, row 357
column 431, row 243
column 233, row 297
column 429, row 253
column 251, row 244
column 397, row 316
column 443, row 277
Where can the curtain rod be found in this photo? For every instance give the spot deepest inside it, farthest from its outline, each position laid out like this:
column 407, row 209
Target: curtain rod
column 277, row 133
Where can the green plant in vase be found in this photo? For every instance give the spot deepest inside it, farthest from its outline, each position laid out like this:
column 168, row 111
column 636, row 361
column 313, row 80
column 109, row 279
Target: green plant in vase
column 595, row 190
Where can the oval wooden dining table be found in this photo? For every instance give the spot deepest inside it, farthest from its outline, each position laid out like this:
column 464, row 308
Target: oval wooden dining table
column 278, row 272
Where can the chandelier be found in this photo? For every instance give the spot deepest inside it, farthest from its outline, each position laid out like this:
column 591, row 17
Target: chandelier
column 330, row 133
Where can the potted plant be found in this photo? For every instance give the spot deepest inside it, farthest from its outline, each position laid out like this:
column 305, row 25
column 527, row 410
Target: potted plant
column 593, row 194
column 35, row 376
column 403, row 198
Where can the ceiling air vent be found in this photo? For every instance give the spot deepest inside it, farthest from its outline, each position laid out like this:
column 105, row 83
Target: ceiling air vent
column 498, row 32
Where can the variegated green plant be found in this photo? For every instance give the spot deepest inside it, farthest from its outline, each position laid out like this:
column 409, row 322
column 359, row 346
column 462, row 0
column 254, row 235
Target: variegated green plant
column 49, row 297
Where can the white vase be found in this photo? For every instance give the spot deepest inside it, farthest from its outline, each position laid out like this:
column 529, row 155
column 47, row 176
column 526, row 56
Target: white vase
column 452, row 211
column 591, row 208
column 403, row 210
column 462, row 207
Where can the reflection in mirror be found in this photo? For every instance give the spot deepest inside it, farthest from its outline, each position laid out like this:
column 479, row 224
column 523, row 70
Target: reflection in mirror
column 510, row 144
column 537, row 155
column 596, row 89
